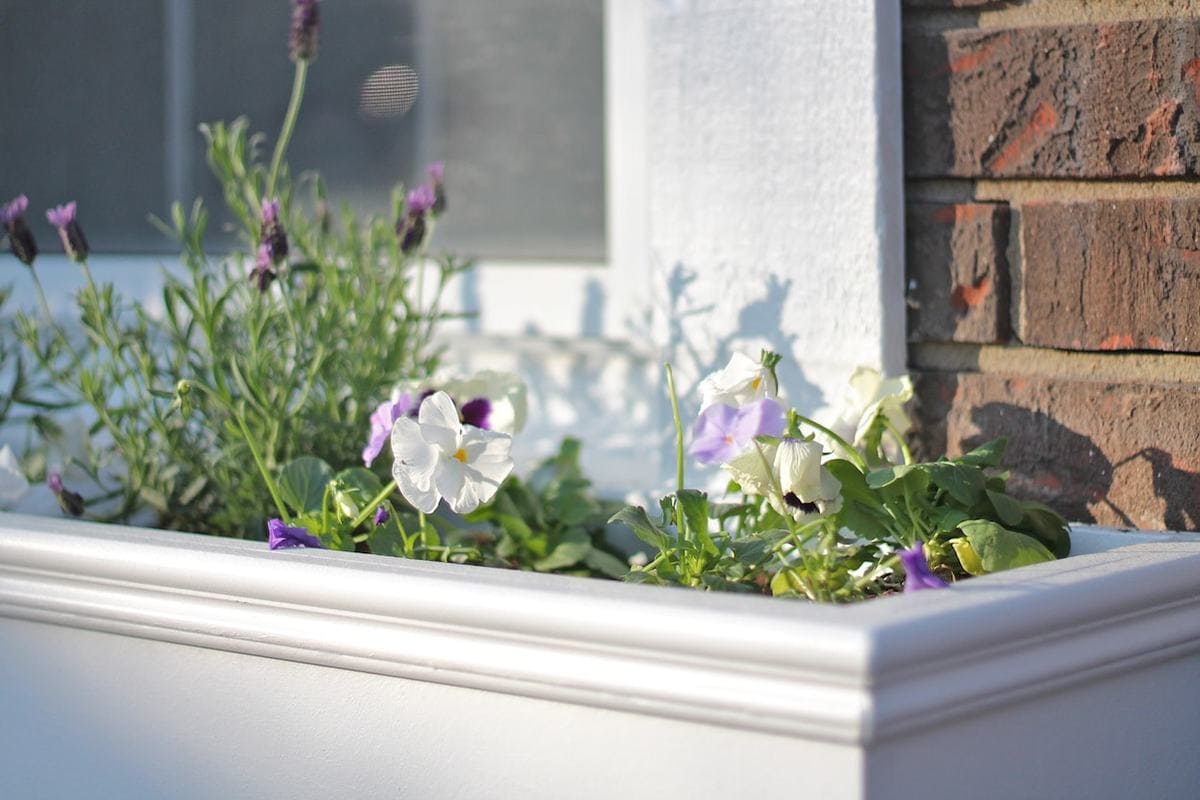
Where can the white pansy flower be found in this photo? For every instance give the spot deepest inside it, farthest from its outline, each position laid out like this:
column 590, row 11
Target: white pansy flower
column 13, row 484
column 438, row 457
column 790, row 475
column 743, row 380
column 492, row 400
column 869, row 394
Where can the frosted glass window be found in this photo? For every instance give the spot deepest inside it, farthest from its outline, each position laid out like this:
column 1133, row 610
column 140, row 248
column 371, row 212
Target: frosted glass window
column 102, row 99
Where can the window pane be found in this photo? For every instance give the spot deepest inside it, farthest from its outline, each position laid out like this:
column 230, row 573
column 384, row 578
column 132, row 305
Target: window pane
column 509, row 93
column 82, row 114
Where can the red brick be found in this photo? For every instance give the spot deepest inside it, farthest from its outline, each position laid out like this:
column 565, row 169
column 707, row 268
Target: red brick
column 1080, row 101
column 952, row 3
column 957, row 272
column 1111, row 275
column 1124, row 454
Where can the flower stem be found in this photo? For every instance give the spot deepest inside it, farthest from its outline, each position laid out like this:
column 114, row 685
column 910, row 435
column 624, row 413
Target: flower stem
column 838, row 440
column 262, row 468
column 289, row 123
column 370, row 507
column 678, row 427
column 907, row 453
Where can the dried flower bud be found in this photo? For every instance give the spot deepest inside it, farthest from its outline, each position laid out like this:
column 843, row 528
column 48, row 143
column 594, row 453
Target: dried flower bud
column 437, row 175
column 302, row 38
column 20, row 238
column 70, row 502
column 381, row 516
column 273, row 236
column 73, row 241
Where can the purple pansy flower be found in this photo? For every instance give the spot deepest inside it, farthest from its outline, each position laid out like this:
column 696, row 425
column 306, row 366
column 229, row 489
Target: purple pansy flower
column 381, row 516
column 723, row 432
column 302, row 36
column 916, row 570
column 281, row 536
column 73, row 241
column 476, row 412
column 382, row 419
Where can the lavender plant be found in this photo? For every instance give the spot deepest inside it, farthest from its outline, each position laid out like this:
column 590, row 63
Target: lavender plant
column 259, row 357
column 829, row 515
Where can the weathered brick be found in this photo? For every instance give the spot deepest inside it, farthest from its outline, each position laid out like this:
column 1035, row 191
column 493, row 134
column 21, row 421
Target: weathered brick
column 953, row 3
column 1123, row 454
column 1077, row 101
column 1117, row 275
column 957, row 272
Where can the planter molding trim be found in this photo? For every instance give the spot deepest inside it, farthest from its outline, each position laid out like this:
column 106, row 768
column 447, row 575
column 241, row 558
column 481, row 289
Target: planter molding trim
column 858, row 674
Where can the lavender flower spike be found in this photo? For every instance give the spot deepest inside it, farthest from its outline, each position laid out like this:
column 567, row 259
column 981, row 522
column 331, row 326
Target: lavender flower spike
column 916, row 570
column 281, row 537
column 273, row 235
column 262, row 274
column 73, row 241
column 70, row 502
column 437, row 175
column 20, row 237
column 723, row 432
column 411, row 227
column 302, row 37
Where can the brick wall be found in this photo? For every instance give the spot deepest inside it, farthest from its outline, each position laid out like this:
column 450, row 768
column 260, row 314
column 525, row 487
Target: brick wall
column 1052, row 153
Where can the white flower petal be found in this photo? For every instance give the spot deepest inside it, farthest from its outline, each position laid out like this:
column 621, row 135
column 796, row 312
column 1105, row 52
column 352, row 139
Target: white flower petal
column 449, row 479
column 752, row 470
column 423, row 498
column 13, row 484
column 438, row 410
column 416, row 462
column 743, row 380
column 798, row 464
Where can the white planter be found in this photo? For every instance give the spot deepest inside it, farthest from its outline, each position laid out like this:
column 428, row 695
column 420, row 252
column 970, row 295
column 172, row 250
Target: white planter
column 138, row 663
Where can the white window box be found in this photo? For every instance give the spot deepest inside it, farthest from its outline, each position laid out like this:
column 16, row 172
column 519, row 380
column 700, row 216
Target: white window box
column 142, row 663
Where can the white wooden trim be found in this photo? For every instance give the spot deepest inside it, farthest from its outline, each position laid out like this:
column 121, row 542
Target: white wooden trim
column 862, row 674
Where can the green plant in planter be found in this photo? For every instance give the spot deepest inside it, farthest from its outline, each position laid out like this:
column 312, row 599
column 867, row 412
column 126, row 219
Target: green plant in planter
column 827, row 515
column 258, row 357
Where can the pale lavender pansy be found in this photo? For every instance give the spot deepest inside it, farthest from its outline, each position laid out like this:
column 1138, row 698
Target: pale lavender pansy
column 722, row 432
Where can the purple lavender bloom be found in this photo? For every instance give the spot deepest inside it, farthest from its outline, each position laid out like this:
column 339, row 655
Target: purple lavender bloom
column 420, row 199
column 70, row 502
column 302, row 37
column 916, row 570
column 73, row 241
column 273, row 234
column 20, row 237
column 411, row 227
column 262, row 274
column 724, row 432
column 281, row 537
column 476, row 412
column 437, row 175
column 381, row 516
column 382, row 420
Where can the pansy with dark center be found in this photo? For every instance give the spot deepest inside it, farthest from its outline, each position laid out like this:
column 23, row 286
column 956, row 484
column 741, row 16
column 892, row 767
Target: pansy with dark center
column 795, row 502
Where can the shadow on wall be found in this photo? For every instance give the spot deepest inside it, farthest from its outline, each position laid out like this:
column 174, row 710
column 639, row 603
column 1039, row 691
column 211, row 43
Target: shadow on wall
column 1057, row 465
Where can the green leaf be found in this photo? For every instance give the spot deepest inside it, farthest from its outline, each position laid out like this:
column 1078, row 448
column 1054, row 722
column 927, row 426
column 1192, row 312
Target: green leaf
column 964, row 484
column 967, row 557
column 1007, row 509
column 1047, row 527
column 302, row 483
column 986, row 455
column 999, row 548
column 695, row 515
column 948, row 519
column 879, row 478
column 606, row 563
column 634, row 517
column 573, row 547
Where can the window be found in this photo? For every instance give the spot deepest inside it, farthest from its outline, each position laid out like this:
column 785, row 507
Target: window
column 103, row 99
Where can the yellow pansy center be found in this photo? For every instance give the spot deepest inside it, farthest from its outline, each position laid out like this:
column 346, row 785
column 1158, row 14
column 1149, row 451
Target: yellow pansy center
column 461, row 455
column 757, row 382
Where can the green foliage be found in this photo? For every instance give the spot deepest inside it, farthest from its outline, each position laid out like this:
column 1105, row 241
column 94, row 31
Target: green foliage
column 550, row 523
column 206, row 400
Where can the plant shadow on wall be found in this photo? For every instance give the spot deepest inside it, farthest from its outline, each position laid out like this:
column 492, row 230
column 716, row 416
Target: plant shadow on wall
column 1057, row 465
